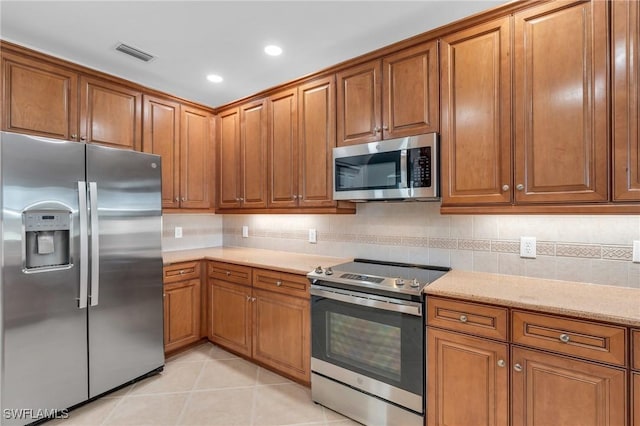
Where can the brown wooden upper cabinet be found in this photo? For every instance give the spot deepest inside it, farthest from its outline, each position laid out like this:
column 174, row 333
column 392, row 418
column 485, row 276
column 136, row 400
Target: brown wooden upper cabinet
column 559, row 107
column 283, row 149
column 38, row 98
column 391, row 97
column 242, row 153
column 626, row 100
column 110, row 114
column 182, row 136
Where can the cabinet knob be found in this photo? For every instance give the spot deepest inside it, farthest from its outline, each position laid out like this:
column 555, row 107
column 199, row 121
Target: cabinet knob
column 181, row 272
column 278, row 283
column 74, row 136
column 501, row 363
column 505, row 188
column 83, row 138
column 228, row 273
column 237, row 199
column 241, row 199
column 177, row 199
column 183, row 199
column 385, row 127
column 520, row 187
column 463, row 318
column 295, row 196
column 248, row 298
column 376, row 130
column 517, row 367
column 253, row 299
column 564, row 338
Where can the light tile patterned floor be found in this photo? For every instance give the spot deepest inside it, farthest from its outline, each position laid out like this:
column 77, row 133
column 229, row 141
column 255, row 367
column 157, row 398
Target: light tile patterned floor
column 207, row 386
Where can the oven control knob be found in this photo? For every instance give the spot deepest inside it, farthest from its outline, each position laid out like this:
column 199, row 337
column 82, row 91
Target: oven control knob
column 318, row 270
column 399, row 282
column 415, row 283
column 328, row 271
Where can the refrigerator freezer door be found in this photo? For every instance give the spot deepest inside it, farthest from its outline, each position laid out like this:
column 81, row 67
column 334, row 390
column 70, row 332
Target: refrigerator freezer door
column 44, row 347
column 125, row 313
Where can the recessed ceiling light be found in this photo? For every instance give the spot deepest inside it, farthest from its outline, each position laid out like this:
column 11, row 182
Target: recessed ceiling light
column 214, row 78
column 273, row 50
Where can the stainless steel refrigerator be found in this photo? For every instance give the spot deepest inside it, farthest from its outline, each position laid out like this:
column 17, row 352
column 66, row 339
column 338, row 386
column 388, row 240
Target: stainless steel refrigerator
column 81, row 284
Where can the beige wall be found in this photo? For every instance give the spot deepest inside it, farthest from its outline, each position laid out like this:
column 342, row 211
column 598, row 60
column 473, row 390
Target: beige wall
column 594, row 249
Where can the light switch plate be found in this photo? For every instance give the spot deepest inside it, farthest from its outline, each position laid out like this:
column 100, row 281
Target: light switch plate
column 178, row 232
column 528, row 247
column 636, row 251
column 313, row 236
column 245, row 231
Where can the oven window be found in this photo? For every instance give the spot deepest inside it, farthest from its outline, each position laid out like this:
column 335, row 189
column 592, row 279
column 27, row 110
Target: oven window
column 371, row 345
column 371, row 171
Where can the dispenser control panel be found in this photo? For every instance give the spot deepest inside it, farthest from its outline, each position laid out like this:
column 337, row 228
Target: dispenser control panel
column 47, row 221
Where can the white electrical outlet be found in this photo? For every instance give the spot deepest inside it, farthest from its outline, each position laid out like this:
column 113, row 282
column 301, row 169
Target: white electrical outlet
column 178, row 232
column 313, row 236
column 636, row 251
column 528, row 247
column 245, row 231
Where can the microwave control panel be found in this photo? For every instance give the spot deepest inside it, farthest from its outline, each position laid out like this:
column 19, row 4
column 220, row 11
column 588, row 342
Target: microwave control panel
column 420, row 167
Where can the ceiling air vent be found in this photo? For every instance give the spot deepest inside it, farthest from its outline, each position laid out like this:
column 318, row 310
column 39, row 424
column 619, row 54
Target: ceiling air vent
column 132, row 51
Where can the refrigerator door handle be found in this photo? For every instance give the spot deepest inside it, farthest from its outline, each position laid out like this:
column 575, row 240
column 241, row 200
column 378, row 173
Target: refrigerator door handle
column 84, row 245
column 95, row 244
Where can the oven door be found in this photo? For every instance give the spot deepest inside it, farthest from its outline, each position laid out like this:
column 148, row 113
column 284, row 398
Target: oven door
column 371, row 343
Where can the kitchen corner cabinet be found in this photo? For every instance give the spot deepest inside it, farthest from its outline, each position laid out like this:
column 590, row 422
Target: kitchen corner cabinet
column 38, row 98
column 253, row 154
column 391, row 97
column 561, row 370
column 560, row 147
column 283, row 149
column 263, row 315
column 182, row 305
column 196, row 158
column 625, row 22
column 229, row 160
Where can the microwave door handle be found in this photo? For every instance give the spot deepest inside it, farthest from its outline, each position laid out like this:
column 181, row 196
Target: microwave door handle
column 95, row 244
column 84, row 245
column 404, row 158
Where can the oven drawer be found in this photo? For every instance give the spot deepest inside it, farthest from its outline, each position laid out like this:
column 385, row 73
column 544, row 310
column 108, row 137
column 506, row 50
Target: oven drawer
column 230, row 272
column 479, row 320
column 281, row 282
column 584, row 339
column 181, row 272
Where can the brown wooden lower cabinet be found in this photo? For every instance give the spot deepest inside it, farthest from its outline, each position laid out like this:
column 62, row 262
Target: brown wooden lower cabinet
column 467, row 380
column 635, row 399
column 181, row 314
column 266, row 325
column 549, row 389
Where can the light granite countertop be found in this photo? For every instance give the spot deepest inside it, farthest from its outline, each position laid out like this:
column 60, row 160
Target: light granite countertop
column 618, row 305
column 271, row 259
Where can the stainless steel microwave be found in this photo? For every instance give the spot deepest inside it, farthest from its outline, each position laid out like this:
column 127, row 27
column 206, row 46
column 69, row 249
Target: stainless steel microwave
column 401, row 169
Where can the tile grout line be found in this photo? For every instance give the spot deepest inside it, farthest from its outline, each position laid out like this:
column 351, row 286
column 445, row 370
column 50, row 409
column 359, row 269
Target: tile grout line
column 190, row 393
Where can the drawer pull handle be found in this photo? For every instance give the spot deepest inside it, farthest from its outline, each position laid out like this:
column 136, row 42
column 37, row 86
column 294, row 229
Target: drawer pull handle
column 253, row 299
column 248, row 298
column 501, row 363
column 228, row 273
column 517, row 367
column 278, row 283
column 463, row 318
column 181, row 272
column 564, row 338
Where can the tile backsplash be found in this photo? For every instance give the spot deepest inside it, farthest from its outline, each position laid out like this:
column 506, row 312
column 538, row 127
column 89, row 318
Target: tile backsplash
column 595, row 249
column 198, row 230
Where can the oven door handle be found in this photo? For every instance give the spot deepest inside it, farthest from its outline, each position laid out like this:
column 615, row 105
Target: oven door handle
column 387, row 304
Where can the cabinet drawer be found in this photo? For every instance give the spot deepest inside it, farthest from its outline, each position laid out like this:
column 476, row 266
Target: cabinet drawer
column 479, row 320
column 230, row 272
column 281, row 282
column 584, row 339
column 635, row 351
column 181, row 271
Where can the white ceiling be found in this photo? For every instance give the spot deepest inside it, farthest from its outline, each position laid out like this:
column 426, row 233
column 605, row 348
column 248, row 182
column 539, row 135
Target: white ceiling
column 191, row 39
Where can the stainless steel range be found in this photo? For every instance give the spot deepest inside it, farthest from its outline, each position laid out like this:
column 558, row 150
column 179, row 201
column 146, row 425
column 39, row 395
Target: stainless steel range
column 368, row 346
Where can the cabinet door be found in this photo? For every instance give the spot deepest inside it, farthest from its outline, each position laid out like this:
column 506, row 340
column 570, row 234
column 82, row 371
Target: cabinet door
column 228, row 131
column 467, row 380
column 230, row 315
column 410, row 92
column 283, row 149
column 560, row 81
column 317, row 138
column 626, row 100
column 253, row 137
column 359, row 101
column 282, row 333
column 196, row 149
column 635, row 399
column 110, row 114
column 553, row 390
column 161, row 135
column 182, row 314
column 476, row 115
column 38, row 98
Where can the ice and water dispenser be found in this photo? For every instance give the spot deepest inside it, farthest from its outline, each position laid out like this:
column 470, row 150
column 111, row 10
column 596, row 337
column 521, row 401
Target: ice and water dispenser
column 47, row 238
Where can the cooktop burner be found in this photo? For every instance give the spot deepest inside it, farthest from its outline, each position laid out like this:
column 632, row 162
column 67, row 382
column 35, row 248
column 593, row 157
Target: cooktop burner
column 378, row 277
